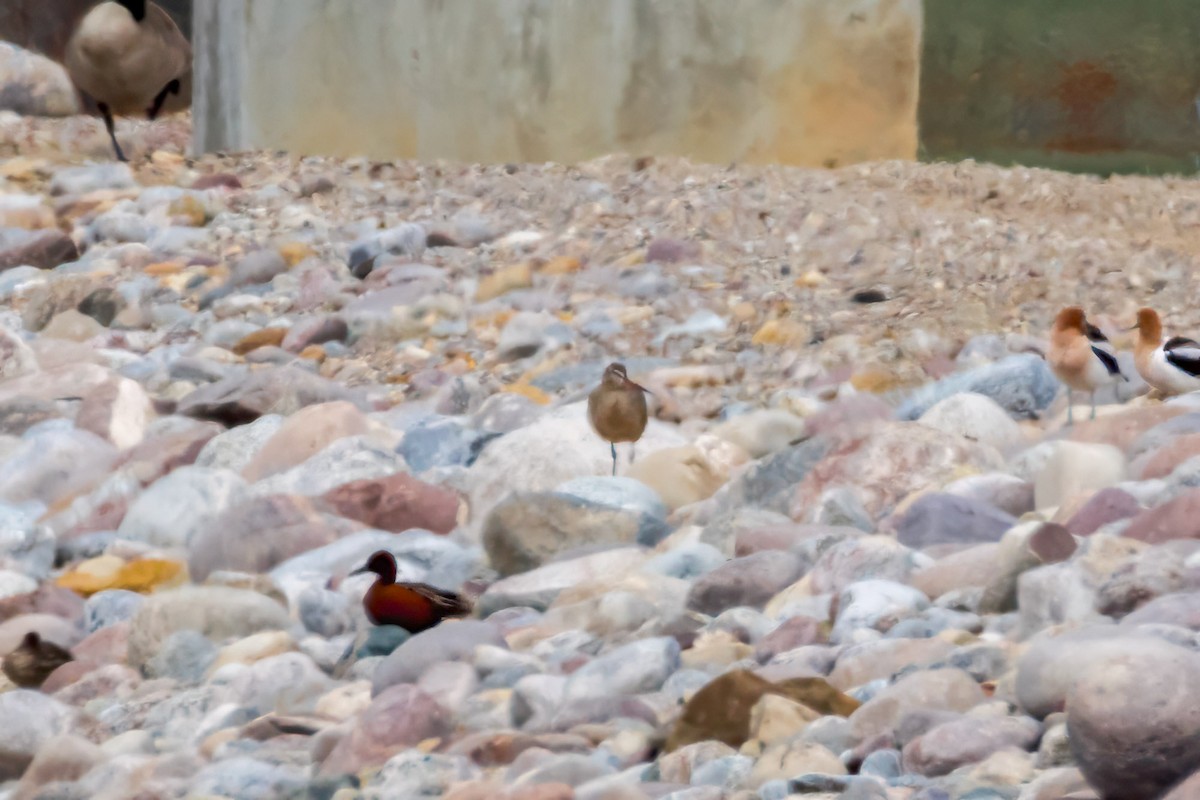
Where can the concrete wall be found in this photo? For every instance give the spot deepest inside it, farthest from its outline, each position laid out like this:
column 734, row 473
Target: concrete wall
column 1069, row 84
column 810, row 82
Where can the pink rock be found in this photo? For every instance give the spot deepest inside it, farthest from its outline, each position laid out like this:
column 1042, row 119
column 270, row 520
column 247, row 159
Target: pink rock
column 256, row 535
column 1175, row 519
column 303, row 435
column 222, row 180
column 890, row 462
column 114, row 679
column 400, row 717
column 968, row 568
column 848, row 414
column 1123, row 430
column 109, row 645
column 70, row 380
column 967, row 741
column 1102, row 508
column 46, row 599
column 793, row 632
column 1162, row 462
column 396, row 503
column 671, row 251
column 173, row 447
column 784, row 537
column 117, row 410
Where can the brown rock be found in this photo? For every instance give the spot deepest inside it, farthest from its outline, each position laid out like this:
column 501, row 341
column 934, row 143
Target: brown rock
column 317, row 331
column 746, row 581
column 883, row 658
column 262, row 337
column 303, row 435
column 721, row 710
column 396, row 503
column 932, row 690
column 44, row 249
column 219, row 180
column 962, row 570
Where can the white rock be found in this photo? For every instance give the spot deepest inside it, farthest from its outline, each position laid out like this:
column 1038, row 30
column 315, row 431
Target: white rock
column 177, row 507
column 1072, row 468
column 975, row 417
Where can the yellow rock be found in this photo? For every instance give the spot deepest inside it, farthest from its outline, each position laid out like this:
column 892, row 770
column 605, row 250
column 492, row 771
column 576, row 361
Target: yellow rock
column 30, row 218
column 680, row 475
column 561, row 265
column 314, row 352
column 876, row 380
column 253, row 648
column 745, row 312
column 783, row 333
column 295, row 252
column 717, row 648
column 264, row 337
column 189, row 210
column 504, row 281
column 775, row 718
column 528, row 390
column 110, row 572
column 163, row 268
column 811, row 279
column 344, row 702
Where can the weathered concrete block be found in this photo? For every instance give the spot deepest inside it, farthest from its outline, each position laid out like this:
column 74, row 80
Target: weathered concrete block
column 810, row 82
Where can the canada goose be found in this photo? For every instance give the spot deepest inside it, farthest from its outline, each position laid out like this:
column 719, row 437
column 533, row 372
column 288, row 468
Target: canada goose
column 130, row 57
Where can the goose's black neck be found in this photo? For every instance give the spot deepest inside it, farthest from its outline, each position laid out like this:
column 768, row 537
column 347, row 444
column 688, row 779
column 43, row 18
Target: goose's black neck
column 136, row 7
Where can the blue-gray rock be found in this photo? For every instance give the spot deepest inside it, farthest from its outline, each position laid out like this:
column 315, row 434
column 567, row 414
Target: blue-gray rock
column 442, row 442
column 728, row 772
column 636, row 668
column 528, row 529
column 586, row 374
column 172, row 510
column 324, row 612
column 244, row 778
column 110, row 607
column 616, row 492
column 686, row 562
column 407, row 239
column 940, row 518
column 415, row 774
column 842, row 506
column 382, row 640
column 184, row 656
column 872, row 603
column 30, row 719
column 883, row 764
column 1022, row 385
column 23, row 541
column 767, row 484
column 91, row 178
column 236, row 447
column 450, row 641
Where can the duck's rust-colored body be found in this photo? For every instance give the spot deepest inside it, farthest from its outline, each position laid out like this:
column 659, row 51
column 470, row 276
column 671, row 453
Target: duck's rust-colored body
column 415, row 607
column 617, row 409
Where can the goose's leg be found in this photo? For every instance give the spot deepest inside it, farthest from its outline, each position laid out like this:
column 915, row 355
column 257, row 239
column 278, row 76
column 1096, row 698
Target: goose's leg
column 614, row 455
column 1070, row 409
column 1093, row 405
column 112, row 130
column 161, row 97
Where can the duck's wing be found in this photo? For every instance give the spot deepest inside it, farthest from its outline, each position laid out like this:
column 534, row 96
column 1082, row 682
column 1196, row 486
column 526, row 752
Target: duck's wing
column 1108, row 360
column 449, row 604
column 1094, row 334
column 1183, row 354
